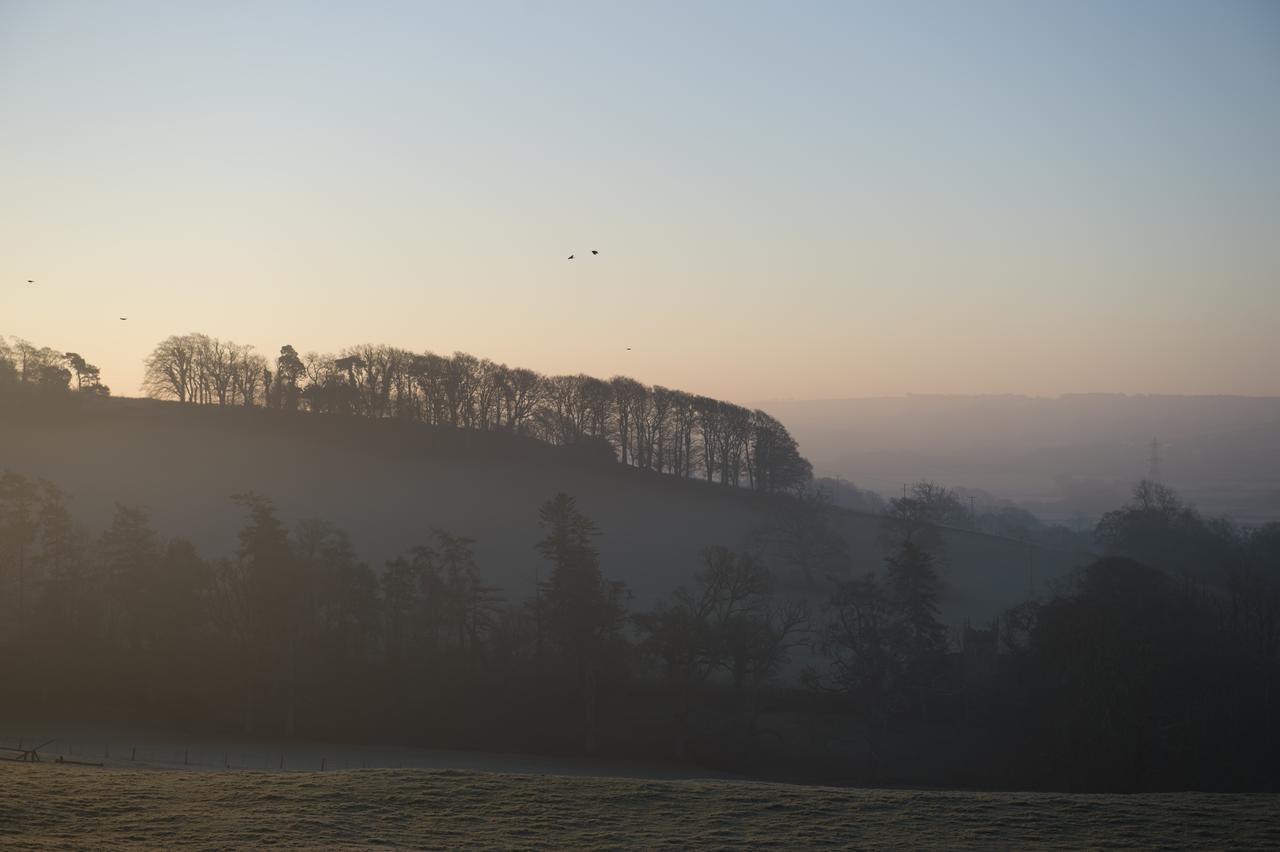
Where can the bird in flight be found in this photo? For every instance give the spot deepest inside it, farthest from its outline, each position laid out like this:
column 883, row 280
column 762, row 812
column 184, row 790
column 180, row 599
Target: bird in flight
column 593, row 251
column 122, row 319
column 29, row 281
column 571, row 257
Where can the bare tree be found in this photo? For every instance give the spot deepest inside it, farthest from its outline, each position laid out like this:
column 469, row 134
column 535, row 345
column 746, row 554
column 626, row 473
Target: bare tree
column 711, row 429
column 918, row 515
column 522, row 392
column 217, row 364
column 170, row 369
column 774, row 462
column 728, row 621
column 628, row 397
column 651, row 428
column 250, row 369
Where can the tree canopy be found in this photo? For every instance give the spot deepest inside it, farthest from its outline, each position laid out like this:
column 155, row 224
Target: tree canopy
column 652, row 428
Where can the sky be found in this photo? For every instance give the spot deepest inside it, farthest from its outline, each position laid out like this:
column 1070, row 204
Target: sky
column 790, row 200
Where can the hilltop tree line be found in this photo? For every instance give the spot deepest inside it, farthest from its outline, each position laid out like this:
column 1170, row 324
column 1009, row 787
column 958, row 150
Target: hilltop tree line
column 652, row 428
column 23, row 364
column 1156, row 674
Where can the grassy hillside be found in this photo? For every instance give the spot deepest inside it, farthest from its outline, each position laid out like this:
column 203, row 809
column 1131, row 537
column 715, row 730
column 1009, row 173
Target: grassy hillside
column 60, row 807
column 388, row 483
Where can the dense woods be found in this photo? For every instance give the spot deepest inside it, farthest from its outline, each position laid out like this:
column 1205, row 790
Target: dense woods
column 1158, row 667
column 653, row 428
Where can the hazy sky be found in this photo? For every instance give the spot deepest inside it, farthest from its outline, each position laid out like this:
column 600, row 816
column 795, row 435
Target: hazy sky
column 790, row 199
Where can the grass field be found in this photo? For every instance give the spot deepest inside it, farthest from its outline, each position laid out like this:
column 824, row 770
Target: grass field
column 50, row 806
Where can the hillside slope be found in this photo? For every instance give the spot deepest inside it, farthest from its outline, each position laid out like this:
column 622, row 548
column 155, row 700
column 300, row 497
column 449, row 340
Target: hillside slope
column 388, row 483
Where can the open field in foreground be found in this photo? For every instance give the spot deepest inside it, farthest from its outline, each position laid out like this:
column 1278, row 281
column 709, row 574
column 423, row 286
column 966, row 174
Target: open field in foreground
column 47, row 806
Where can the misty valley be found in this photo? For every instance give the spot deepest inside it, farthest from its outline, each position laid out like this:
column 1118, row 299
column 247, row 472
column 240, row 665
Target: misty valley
column 546, row 598
column 565, row 425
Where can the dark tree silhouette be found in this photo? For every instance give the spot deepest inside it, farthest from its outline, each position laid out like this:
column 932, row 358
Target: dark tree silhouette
column 262, row 600
column 171, row 371
column 916, row 516
column 87, row 375
column 800, row 533
column 129, row 552
column 728, row 622
column 1131, row 677
column 289, row 370
column 858, row 641
column 653, row 428
column 583, row 611
column 920, row 639
column 19, row 500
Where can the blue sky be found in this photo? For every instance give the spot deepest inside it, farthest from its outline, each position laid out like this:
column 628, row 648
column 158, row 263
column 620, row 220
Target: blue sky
column 799, row 200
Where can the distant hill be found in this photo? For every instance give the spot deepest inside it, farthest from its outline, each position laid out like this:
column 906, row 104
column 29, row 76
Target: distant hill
column 387, row 483
column 1077, row 453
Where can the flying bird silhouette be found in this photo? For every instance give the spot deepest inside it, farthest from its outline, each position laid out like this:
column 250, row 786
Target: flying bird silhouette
column 29, row 281
column 122, row 319
column 571, row 257
column 593, row 251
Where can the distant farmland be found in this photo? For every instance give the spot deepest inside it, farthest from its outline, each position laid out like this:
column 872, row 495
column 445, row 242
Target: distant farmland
column 47, row 806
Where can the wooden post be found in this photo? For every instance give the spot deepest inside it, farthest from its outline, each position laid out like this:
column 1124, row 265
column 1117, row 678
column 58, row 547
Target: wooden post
column 133, row 755
column 282, row 761
column 322, row 764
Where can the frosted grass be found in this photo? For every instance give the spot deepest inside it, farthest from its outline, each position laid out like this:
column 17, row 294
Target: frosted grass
column 48, row 806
